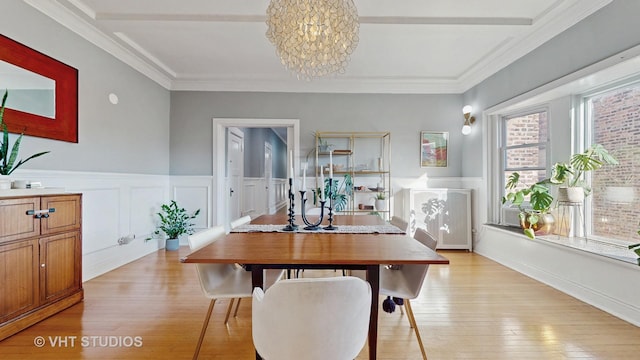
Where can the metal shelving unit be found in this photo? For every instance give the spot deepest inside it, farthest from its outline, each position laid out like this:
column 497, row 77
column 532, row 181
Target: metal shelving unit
column 365, row 156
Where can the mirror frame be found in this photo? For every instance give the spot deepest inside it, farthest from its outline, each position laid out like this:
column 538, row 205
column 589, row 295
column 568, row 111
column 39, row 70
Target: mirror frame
column 65, row 124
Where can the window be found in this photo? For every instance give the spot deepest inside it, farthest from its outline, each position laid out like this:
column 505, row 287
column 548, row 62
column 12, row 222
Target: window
column 525, row 144
column 613, row 120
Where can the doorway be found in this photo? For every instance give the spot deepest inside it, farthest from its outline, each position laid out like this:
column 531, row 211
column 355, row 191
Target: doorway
column 220, row 199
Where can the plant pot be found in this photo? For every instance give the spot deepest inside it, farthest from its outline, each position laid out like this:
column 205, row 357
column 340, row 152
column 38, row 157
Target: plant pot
column 5, row 182
column 571, row 194
column 381, row 205
column 172, row 244
column 544, row 226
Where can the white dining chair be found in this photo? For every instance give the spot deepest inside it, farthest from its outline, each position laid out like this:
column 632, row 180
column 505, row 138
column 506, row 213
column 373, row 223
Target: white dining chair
column 218, row 281
column 406, row 282
column 270, row 275
column 399, row 223
column 311, row 318
column 240, row 221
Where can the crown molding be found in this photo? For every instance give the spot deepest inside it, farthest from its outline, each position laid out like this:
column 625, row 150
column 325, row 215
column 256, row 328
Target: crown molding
column 73, row 22
column 562, row 16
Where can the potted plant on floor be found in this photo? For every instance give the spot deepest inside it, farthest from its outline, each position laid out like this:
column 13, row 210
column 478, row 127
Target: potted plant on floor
column 8, row 157
column 536, row 220
column 174, row 221
column 570, row 177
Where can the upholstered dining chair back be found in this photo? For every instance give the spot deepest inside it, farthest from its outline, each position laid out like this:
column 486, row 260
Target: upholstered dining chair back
column 240, row 221
column 399, row 223
column 312, row 318
column 406, row 282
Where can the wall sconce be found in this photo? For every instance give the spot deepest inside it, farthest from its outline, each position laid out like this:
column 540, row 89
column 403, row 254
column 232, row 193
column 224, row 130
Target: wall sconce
column 468, row 119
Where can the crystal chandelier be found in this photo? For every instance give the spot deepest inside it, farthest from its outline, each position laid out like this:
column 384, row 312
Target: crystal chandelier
column 313, row 38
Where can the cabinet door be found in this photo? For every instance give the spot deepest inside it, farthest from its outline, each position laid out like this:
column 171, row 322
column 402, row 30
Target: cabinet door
column 65, row 213
column 15, row 223
column 60, row 265
column 18, row 278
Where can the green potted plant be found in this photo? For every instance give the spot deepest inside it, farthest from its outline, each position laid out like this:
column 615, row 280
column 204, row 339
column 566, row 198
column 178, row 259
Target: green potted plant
column 8, row 157
column 381, row 201
column 174, row 221
column 340, row 192
column 570, row 177
column 536, row 220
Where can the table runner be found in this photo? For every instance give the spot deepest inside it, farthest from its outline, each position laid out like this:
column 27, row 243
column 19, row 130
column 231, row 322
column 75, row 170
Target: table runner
column 340, row 229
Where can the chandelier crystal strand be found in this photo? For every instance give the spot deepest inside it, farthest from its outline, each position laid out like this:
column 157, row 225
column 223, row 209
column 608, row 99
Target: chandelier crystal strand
column 313, row 38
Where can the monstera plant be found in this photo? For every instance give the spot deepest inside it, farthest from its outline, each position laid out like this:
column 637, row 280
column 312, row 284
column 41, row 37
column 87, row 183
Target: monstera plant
column 535, row 219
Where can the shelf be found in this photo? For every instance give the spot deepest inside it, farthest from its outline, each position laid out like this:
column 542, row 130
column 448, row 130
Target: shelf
column 365, row 156
column 336, row 153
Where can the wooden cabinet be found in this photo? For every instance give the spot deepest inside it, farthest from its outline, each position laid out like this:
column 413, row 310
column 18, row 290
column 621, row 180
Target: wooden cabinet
column 444, row 213
column 40, row 258
column 364, row 156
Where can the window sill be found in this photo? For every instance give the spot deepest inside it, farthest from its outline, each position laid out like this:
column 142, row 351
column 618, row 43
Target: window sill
column 612, row 249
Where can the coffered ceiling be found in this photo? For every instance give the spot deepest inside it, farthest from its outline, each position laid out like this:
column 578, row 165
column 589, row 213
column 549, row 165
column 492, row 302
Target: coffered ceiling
column 406, row 46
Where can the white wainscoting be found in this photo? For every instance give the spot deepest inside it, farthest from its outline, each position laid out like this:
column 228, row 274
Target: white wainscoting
column 113, row 206
column 608, row 284
column 254, row 201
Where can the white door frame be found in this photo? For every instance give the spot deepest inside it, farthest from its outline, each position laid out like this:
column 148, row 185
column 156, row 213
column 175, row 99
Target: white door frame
column 219, row 127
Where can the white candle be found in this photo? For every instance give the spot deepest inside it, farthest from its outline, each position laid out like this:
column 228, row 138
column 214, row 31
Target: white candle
column 291, row 163
column 304, row 177
column 321, row 183
column 330, row 164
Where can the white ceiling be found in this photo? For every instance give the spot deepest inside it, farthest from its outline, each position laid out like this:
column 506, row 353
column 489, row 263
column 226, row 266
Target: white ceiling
column 406, row 46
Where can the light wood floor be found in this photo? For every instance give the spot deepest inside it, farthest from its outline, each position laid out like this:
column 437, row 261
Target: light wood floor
column 471, row 309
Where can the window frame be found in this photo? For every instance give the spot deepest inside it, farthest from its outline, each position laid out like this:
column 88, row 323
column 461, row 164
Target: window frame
column 584, row 130
column 502, row 149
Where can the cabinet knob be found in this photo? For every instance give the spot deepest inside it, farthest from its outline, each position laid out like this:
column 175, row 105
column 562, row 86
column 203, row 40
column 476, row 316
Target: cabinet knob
column 42, row 265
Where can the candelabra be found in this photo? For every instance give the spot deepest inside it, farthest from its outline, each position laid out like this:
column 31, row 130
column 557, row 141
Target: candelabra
column 291, row 226
column 330, row 226
column 311, row 226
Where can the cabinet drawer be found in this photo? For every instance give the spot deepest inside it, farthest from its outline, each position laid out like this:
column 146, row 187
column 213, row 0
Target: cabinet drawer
column 15, row 223
column 66, row 214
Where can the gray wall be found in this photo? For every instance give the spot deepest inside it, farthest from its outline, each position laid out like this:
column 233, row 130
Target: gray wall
column 404, row 115
column 609, row 31
column 131, row 137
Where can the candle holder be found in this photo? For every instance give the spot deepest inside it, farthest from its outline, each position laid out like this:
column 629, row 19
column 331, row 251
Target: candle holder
column 330, row 226
column 291, row 226
column 310, row 226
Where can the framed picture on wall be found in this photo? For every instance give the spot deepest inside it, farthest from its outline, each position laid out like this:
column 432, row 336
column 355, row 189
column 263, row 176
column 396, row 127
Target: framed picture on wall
column 433, row 148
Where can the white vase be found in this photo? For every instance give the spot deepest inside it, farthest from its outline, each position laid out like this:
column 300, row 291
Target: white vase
column 381, row 205
column 571, row 194
column 5, row 182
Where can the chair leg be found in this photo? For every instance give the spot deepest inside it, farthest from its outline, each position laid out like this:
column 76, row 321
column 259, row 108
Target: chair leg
column 412, row 321
column 204, row 328
column 235, row 313
column 226, row 318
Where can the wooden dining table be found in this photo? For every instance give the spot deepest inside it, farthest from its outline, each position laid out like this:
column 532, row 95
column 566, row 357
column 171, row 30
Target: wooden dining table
column 320, row 250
